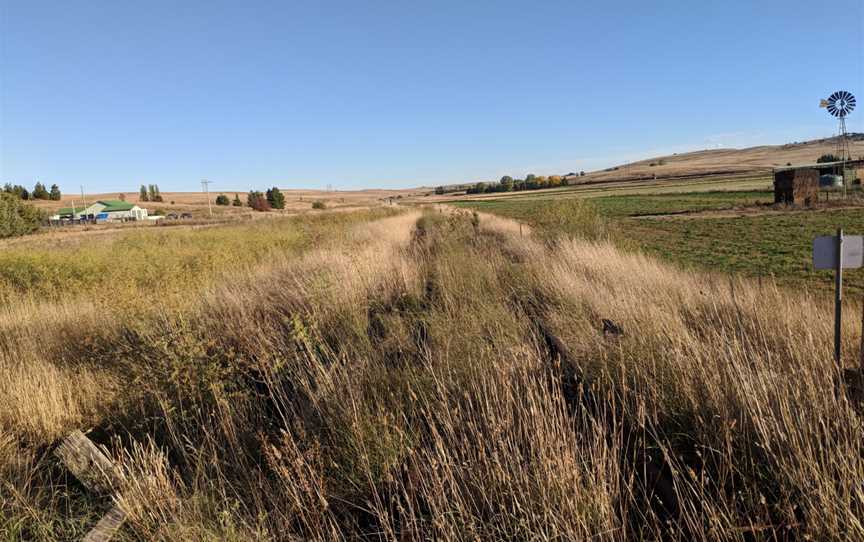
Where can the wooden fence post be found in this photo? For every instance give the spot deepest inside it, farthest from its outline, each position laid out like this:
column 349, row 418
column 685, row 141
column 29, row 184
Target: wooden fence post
column 99, row 474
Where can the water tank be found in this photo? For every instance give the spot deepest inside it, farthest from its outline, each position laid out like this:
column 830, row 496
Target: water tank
column 830, row 182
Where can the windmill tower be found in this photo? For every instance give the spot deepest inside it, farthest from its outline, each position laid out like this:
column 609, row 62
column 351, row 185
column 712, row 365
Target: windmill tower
column 839, row 105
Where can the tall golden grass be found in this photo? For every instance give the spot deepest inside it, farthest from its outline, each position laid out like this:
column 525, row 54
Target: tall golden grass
column 394, row 380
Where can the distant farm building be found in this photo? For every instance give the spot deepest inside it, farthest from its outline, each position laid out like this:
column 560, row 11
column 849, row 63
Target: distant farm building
column 800, row 185
column 103, row 210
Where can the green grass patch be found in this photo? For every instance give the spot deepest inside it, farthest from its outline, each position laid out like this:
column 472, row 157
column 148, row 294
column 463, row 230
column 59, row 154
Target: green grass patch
column 661, row 204
column 778, row 244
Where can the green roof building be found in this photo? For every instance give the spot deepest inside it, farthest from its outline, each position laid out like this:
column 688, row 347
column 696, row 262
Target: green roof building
column 108, row 209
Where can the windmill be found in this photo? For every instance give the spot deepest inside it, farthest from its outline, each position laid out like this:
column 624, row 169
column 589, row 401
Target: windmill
column 839, row 105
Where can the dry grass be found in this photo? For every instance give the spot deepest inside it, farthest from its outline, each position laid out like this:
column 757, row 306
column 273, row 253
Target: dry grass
column 395, row 381
column 296, row 201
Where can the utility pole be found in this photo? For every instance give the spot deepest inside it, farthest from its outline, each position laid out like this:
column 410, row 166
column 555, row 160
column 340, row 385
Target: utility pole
column 205, row 184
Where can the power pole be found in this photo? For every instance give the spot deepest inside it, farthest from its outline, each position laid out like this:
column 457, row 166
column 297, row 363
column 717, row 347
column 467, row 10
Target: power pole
column 83, row 198
column 205, row 184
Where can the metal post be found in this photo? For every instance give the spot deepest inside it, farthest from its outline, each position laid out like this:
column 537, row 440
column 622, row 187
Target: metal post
column 861, row 354
column 838, row 296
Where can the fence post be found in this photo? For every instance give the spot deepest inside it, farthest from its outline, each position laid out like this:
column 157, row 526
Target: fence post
column 98, row 473
column 838, row 297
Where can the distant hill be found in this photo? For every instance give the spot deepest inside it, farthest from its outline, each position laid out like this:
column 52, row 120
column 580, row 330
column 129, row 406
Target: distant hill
column 706, row 163
column 728, row 161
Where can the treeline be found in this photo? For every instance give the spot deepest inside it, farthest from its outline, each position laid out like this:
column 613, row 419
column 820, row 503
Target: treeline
column 272, row 198
column 39, row 192
column 530, row 182
column 149, row 193
column 509, row 184
column 222, row 199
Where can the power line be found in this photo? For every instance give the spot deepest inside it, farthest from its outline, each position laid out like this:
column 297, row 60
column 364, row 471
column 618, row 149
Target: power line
column 205, row 185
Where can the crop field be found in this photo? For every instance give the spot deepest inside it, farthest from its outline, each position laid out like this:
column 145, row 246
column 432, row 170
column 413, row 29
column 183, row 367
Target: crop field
column 417, row 374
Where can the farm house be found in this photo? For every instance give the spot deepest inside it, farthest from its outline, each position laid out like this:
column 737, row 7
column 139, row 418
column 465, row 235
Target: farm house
column 104, row 210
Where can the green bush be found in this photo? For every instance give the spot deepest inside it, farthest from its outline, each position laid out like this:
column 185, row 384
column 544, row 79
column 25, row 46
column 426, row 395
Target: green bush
column 40, row 192
column 275, row 198
column 318, row 204
column 222, row 199
column 17, row 217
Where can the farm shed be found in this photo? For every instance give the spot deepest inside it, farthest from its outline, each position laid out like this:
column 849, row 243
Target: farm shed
column 800, row 184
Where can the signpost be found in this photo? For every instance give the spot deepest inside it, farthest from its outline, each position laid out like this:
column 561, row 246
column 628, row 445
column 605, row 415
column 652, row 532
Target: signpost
column 838, row 252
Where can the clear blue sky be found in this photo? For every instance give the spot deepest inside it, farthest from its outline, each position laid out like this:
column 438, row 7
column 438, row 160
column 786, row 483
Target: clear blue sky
column 112, row 94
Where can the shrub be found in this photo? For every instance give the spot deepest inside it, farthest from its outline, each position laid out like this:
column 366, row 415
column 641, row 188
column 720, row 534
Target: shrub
column 318, row 204
column 237, row 202
column 55, row 193
column 222, row 199
column 257, row 201
column 16, row 217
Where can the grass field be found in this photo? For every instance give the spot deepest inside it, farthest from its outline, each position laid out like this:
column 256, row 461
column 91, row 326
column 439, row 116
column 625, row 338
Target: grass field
column 757, row 243
column 151, row 265
column 418, row 375
column 297, row 201
column 776, row 244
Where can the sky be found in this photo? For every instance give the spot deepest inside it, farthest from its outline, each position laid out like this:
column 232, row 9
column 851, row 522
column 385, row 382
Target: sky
column 114, row 94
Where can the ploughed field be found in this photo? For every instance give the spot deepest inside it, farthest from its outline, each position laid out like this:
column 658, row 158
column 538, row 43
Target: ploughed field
column 418, row 374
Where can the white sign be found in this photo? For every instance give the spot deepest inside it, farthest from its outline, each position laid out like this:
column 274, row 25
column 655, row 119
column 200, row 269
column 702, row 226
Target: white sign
column 825, row 252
